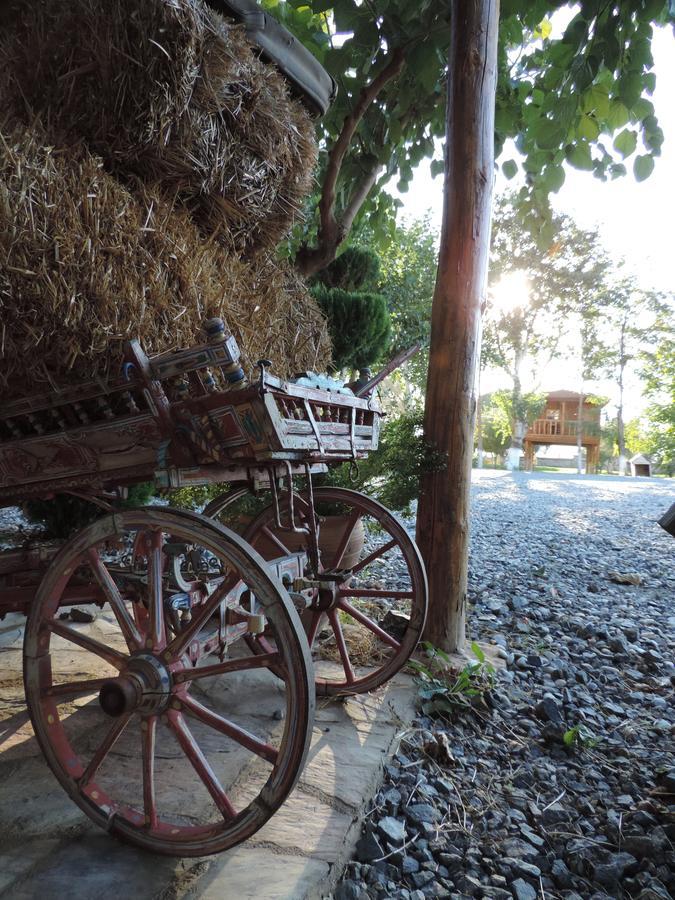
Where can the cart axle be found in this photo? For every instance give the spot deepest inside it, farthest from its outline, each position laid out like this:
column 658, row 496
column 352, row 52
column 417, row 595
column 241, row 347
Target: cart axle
column 144, row 686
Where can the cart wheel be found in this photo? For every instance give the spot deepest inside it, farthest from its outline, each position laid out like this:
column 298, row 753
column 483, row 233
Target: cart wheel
column 167, row 750
column 368, row 618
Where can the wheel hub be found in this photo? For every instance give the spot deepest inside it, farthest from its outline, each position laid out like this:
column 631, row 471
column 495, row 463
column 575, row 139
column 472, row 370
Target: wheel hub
column 144, row 686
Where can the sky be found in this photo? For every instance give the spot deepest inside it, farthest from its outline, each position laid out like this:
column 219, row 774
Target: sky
column 635, row 221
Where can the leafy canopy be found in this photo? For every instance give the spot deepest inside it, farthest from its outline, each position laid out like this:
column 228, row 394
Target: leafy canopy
column 581, row 97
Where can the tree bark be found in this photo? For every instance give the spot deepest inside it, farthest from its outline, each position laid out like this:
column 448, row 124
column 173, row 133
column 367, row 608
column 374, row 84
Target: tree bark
column 443, row 516
column 518, row 427
column 333, row 229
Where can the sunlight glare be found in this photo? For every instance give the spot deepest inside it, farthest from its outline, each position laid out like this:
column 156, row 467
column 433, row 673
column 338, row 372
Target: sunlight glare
column 511, row 292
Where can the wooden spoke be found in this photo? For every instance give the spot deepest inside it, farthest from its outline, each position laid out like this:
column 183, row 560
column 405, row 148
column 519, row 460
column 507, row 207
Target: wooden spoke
column 346, row 591
column 201, row 616
column 313, row 626
column 117, row 660
column 369, row 624
column 264, row 661
column 201, row 765
column 385, row 548
column 75, row 688
column 104, row 749
column 229, row 729
column 156, row 628
column 148, row 738
column 342, row 646
column 270, row 535
column 127, row 625
column 352, row 521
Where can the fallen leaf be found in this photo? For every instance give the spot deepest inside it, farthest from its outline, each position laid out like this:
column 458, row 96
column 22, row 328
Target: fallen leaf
column 625, row 578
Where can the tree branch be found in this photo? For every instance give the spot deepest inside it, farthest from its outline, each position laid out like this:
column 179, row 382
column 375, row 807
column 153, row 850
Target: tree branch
column 357, row 199
column 351, row 123
column 331, row 232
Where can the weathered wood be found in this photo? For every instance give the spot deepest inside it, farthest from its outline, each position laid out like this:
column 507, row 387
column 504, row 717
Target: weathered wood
column 443, row 519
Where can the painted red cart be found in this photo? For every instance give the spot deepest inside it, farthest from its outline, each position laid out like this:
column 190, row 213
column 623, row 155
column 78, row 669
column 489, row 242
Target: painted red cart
column 178, row 714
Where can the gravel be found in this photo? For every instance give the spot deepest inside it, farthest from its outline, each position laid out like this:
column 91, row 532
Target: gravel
column 559, row 781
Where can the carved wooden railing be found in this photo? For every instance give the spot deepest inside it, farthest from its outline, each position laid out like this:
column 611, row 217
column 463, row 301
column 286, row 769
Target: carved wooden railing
column 556, row 428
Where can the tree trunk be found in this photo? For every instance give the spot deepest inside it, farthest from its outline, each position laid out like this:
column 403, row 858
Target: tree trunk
column 518, row 427
column 620, row 430
column 443, row 517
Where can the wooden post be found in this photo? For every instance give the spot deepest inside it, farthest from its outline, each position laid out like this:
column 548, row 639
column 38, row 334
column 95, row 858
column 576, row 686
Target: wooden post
column 443, row 516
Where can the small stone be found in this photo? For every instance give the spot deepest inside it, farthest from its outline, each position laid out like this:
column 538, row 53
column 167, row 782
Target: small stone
column 521, row 890
column 548, row 711
column 395, row 623
column 392, row 830
column 561, row 874
column 419, row 813
column 347, row 890
column 517, row 849
column 666, row 780
column 409, row 865
column 611, row 871
column 368, row 848
column 420, row 879
column 641, row 846
column 81, row 615
column 391, row 796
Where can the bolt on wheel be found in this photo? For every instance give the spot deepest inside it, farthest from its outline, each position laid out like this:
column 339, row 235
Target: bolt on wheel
column 167, row 748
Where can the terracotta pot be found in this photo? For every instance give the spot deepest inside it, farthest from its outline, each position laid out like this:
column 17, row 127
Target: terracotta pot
column 332, row 529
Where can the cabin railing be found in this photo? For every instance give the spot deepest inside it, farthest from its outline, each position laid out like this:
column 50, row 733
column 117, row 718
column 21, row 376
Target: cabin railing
column 556, row 428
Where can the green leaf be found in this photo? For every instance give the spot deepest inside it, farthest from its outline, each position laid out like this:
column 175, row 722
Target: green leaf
column 548, row 133
column 596, row 99
column 642, row 108
column 630, row 88
column 505, row 119
column 510, row 168
column 553, row 177
column 579, row 156
column 625, row 142
column 643, row 167
column 437, row 167
column 571, row 736
column 477, row 650
column 618, row 115
column 588, row 128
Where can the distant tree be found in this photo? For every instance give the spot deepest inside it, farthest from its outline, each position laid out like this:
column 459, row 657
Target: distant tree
column 498, row 417
column 628, row 323
column 658, row 371
column 560, row 283
column 407, row 279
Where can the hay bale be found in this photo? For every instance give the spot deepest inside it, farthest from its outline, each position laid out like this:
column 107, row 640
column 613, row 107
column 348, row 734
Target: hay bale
column 169, row 92
column 86, row 264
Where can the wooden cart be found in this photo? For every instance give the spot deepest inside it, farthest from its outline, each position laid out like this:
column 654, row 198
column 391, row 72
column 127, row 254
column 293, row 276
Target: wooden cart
column 178, row 715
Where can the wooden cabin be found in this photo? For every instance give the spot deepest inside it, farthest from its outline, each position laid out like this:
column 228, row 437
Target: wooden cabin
column 640, row 466
column 558, row 423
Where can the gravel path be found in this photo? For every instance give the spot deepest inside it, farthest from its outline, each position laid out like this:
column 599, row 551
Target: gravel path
column 561, row 783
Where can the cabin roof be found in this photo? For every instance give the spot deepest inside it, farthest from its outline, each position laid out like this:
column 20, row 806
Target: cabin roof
column 567, row 395
column 641, row 460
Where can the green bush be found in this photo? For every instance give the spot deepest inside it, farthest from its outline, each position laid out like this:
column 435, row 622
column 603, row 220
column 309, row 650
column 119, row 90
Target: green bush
column 392, row 474
column 65, row 514
column 355, row 269
column 358, row 324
